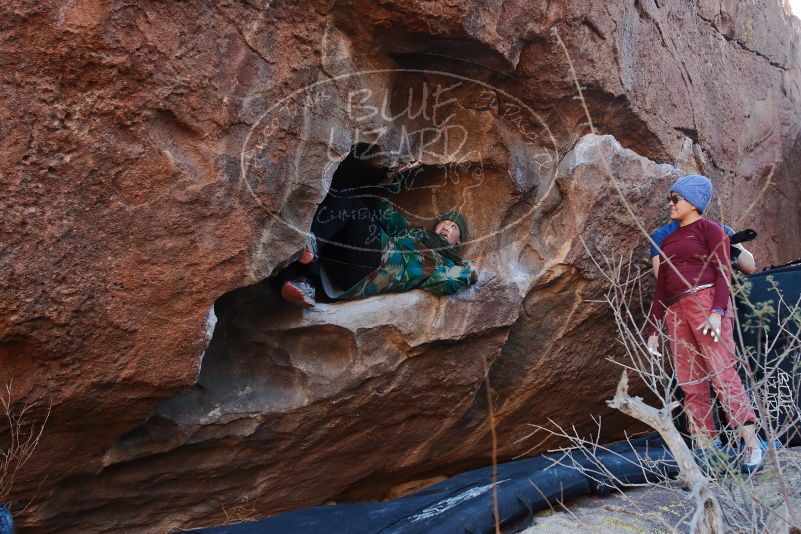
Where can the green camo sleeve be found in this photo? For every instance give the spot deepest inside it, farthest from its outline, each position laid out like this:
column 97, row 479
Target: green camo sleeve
column 391, row 220
column 448, row 279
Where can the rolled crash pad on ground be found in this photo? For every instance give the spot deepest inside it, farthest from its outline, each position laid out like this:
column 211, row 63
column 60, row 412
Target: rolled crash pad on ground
column 464, row 502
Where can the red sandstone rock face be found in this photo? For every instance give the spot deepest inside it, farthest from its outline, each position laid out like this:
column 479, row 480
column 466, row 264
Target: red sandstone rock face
column 158, row 156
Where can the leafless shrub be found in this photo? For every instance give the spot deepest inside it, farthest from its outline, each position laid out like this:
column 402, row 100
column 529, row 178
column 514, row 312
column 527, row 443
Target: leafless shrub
column 725, row 499
column 20, row 433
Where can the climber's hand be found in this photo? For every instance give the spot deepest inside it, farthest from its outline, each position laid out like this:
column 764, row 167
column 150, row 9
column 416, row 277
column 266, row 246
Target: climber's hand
column 408, row 167
column 653, row 345
column 711, row 326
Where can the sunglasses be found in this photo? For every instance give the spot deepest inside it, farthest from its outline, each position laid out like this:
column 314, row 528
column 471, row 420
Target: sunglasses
column 675, row 199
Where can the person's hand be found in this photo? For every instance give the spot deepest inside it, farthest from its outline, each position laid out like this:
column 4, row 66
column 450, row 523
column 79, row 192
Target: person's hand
column 405, row 168
column 408, row 167
column 711, row 326
column 653, row 345
column 393, row 174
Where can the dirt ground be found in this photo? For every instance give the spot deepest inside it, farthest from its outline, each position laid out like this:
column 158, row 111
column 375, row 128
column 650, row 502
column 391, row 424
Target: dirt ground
column 667, row 508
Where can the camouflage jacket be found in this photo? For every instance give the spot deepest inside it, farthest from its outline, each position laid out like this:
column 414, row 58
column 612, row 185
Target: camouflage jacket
column 406, row 263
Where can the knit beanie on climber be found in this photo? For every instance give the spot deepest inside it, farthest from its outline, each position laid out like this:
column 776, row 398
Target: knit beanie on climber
column 457, row 218
column 696, row 189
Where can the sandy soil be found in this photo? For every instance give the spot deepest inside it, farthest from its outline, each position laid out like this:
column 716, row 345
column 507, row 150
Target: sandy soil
column 667, row 508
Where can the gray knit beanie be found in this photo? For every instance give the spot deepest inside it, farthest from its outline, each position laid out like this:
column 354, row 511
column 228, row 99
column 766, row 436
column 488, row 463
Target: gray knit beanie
column 696, row 189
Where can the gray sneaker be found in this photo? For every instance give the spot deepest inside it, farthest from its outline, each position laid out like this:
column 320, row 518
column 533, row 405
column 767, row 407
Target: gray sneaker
column 752, row 460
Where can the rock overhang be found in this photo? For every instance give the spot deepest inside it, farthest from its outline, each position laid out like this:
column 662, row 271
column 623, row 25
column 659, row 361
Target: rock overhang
column 193, row 236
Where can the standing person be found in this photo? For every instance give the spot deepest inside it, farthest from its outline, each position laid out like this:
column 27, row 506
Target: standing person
column 692, row 297
column 741, row 260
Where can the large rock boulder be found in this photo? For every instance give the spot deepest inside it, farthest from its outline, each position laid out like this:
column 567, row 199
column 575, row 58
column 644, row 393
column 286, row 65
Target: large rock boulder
column 163, row 160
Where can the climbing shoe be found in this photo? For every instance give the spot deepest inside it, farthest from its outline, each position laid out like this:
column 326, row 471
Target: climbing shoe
column 299, row 292
column 309, row 253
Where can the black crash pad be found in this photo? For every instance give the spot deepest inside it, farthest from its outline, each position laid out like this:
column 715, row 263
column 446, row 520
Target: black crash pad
column 464, row 503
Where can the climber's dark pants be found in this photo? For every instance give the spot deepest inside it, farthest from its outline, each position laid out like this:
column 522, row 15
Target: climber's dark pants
column 348, row 239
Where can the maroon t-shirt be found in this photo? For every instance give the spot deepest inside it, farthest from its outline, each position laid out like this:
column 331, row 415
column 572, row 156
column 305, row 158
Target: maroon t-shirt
column 700, row 252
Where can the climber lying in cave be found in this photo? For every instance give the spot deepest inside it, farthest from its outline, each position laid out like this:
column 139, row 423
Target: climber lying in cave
column 361, row 245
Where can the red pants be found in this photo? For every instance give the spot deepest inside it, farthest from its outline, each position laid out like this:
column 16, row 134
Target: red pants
column 699, row 361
